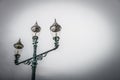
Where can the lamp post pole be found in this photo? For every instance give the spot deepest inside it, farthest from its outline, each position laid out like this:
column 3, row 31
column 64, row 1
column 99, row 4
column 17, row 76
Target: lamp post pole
column 34, row 62
column 55, row 28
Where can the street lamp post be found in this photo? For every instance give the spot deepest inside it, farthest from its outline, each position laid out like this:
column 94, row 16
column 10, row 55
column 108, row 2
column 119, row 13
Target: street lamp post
column 55, row 28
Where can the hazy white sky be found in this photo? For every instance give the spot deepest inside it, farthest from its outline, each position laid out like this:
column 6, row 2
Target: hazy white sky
column 89, row 40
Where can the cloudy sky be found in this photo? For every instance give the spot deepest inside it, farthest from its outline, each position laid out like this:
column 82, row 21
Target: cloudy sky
column 89, row 40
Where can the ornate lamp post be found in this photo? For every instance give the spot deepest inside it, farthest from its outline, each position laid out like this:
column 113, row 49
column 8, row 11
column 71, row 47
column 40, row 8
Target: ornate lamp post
column 55, row 28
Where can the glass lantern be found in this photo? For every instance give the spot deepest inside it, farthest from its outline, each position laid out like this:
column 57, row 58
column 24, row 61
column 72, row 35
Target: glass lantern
column 55, row 29
column 18, row 47
column 35, row 29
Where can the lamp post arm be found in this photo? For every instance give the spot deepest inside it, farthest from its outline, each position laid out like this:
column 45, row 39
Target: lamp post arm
column 38, row 57
column 24, row 61
column 44, row 54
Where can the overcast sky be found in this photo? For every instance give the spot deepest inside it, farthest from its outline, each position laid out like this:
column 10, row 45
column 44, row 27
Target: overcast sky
column 89, row 40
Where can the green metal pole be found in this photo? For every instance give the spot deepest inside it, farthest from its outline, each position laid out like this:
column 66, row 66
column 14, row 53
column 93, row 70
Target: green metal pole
column 34, row 62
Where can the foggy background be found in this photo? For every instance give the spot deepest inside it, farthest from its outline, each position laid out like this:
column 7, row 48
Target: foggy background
column 89, row 40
